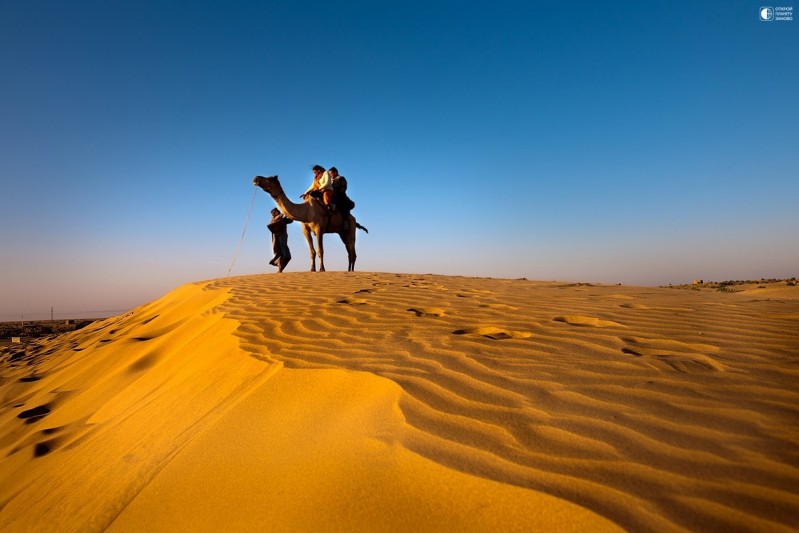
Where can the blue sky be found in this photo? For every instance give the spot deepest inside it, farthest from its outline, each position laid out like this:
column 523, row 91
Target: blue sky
column 625, row 142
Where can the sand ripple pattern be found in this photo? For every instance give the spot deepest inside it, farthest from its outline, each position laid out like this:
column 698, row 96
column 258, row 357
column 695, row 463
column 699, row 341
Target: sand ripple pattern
column 656, row 408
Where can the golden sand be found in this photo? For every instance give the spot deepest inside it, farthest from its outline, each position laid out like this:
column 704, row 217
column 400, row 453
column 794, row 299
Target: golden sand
column 391, row 402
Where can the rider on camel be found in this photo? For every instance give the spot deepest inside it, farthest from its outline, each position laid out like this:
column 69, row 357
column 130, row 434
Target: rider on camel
column 322, row 185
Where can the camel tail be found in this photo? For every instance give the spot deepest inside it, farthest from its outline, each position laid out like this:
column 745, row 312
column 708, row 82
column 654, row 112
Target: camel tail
column 361, row 227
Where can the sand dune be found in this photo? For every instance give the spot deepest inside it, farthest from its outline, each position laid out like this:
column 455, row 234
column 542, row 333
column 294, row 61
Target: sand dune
column 368, row 402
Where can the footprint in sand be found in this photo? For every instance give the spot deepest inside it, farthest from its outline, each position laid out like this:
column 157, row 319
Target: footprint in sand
column 427, row 311
column 474, row 293
column 493, row 333
column 143, row 363
column 34, row 415
column 45, row 447
column 588, row 321
column 51, row 439
column 353, row 301
column 635, row 306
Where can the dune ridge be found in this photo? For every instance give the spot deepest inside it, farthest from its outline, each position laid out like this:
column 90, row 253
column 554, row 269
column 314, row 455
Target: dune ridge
column 651, row 409
column 110, row 411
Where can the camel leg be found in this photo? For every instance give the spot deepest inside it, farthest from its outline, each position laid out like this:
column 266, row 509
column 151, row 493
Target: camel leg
column 343, row 237
column 349, row 244
column 307, row 233
column 321, row 251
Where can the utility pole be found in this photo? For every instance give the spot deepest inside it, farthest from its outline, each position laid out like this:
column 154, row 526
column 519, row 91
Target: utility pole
column 51, row 314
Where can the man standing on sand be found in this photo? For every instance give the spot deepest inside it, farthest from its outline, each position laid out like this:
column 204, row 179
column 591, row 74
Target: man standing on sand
column 280, row 240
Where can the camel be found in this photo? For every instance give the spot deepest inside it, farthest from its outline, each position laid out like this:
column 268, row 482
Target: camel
column 316, row 220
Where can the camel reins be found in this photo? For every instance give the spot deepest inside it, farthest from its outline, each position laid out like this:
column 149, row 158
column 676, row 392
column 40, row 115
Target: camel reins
column 282, row 193
column 246, row 221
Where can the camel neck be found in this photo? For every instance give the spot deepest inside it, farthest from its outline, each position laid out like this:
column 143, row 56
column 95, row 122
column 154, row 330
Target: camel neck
column 294, row 211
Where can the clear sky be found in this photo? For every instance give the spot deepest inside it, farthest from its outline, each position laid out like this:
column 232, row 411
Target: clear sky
column 620, row 142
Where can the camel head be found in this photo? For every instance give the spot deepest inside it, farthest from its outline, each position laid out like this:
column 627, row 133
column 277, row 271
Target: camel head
column 270, row 185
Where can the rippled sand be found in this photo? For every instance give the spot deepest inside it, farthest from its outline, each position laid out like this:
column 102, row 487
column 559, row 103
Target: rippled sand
column 363, row 401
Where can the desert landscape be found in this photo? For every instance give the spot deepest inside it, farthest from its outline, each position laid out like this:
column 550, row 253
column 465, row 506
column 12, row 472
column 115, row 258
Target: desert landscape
column 407, row 402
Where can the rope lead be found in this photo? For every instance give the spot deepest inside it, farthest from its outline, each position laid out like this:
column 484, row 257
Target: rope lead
column 246, row 221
